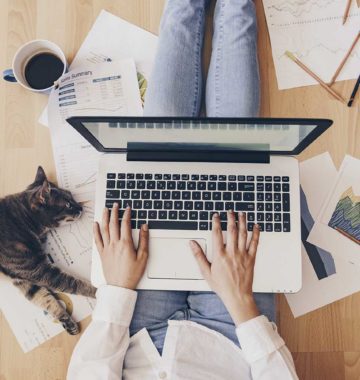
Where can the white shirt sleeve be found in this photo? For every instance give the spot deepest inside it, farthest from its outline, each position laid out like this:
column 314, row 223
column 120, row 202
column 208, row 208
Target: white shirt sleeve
column 100, row 352
column 265, row 350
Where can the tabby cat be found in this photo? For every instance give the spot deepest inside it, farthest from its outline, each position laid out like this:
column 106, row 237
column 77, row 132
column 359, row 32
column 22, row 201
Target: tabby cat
column 25, row 218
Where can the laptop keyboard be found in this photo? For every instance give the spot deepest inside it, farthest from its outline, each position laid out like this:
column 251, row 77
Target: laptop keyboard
column 188, row 202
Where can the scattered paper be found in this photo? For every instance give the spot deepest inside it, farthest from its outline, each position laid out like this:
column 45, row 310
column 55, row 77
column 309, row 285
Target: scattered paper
column 338, row 278
column 110, row 39
column 106, row 89
column 325, row 235
column 313, row 31
column 69, row 248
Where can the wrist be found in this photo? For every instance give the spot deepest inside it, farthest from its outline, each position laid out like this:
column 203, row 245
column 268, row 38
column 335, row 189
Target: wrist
column 242, row 308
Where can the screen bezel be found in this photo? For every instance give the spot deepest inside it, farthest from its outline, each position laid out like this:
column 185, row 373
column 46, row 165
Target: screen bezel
column 321, row 126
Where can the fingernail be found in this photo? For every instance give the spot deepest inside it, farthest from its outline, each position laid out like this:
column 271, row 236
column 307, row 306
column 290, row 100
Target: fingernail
column 115, row 204
column 145, row 227
column 216, row 215
column 192, row 243
column 127, row 207
column 241, row 213
column 230, row 211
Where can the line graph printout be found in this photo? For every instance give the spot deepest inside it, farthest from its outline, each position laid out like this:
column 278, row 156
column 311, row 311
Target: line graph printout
column 313, row 31
column 106, row 89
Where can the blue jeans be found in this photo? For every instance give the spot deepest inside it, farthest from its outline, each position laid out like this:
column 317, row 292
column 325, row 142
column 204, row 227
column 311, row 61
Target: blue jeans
column 175, row 89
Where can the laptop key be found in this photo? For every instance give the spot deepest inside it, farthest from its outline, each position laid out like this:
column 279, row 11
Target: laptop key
column 261, row 226
column 250, row 226
column 204, row 215
column 201, row 186
column 219, row 206
column 204, row 177
column 195, row 177
column 165, row 195
column 181, row 185
column 260, row 178
column 109, row 203
column 112, row 194
column 148, row 204
column 216, row 196
column 227, row 196
column 223, row 215
column 268, row 217
column 286, row 202
column 244, row 206
column 130, row 176
column 277, row 187
column 152, row 214
column 285, row 187
column 209, row 206
column 171, row 185
column 268, row 197
column 158, row 177
column 110, row 184
column 137, row 204
column 206, row 195
column 196, row 195
column 277, row 179
column 160, row 185
column 260, row 217
column 260, row 187
column 150, row 185
column 145, row 194
column 120, row 184
column 173, row 215
column 135, row 194
column 193, row 215
column 203, row 226
column 249, row 197
column 148, row 176
column 286, row 226
column 155, row 194
column 260, row 197
column 241, row 178
column 172, row 225
column 140, row 185
column 168, row 205
column 277, row 197
column 175, row 195
column 167, row 177
column 199, row 206
column 162, row 214
column 178, row 205
column 268, row 227
column 221, row 186
column 277, row 217
column 212, row 185
column 268, row 186
column 229, row 206
column 237, row 196
column 142, row 214
column 260, row 207
column 246, row 186
column 277, row 227
column 186, row 195
column 191, row 185
column 232, row 186
column 250, row 178
column 111, row 176
column 285, row 179
column 139, row 176
column 268, row 178
column 268, row 206
column 277, row 206
column 158, row 205
column 189, row 205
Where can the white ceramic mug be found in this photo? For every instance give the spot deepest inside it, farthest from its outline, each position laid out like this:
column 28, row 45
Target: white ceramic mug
column 22, row 57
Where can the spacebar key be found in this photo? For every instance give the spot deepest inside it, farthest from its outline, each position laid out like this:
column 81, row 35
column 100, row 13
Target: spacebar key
column 171, row 225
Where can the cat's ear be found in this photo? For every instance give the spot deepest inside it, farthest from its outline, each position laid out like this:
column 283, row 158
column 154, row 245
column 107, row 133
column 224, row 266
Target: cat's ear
column 44, row 192
column 40, row 175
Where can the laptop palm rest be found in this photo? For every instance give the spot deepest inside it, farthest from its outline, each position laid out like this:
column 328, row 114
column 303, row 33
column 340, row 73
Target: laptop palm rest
column 171, row 258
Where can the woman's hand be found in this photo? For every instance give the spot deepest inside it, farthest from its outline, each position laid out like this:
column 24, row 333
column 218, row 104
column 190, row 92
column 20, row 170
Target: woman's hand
column 231, row 273
column 122, row 264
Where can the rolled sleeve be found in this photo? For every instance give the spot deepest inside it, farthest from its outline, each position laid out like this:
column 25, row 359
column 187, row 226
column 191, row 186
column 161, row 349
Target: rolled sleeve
column 114, row 305
column 258, row 338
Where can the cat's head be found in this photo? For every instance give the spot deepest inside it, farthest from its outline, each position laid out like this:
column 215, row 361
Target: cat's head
column 50, row 203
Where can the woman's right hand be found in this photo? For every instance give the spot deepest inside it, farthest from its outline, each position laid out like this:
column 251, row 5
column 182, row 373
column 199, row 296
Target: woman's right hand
column 231, row 273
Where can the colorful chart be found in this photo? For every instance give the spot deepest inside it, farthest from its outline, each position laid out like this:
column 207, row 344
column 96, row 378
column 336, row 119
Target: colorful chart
column 346, row 217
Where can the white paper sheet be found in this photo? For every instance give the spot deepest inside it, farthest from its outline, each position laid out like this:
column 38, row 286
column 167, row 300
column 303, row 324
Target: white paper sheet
column 69, row 248
column 106, row 89
column 313, row 31
column 327, row 237
column 112, row 38
column 317, row 176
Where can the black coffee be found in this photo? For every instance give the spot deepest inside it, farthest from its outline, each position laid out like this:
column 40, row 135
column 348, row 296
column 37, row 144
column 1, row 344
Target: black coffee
column 43, row 70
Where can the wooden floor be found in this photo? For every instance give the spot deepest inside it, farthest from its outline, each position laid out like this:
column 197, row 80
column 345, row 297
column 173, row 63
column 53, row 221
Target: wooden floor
column 326, row 343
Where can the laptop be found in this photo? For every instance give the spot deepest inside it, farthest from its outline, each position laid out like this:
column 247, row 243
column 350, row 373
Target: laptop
column 176, row 172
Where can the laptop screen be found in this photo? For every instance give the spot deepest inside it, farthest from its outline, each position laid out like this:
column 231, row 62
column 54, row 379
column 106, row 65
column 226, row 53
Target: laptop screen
column 270, row 135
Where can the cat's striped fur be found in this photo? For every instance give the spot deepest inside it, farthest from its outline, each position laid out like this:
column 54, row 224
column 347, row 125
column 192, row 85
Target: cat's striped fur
column 25, row 219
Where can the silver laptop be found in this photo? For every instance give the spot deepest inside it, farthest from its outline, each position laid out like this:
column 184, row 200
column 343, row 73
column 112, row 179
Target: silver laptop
column 176, row 172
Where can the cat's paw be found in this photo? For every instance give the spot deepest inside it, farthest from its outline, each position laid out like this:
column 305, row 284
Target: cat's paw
column 70, row 325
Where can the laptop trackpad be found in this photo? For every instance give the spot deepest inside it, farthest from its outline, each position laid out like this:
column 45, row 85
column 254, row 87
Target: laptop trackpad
column 173, row 259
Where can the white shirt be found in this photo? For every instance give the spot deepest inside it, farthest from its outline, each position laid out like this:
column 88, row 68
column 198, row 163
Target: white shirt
column 191, row 351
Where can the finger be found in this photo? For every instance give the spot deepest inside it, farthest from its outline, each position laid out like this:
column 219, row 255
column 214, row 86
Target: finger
column 105, row 226
column 242, row 232
column 114, row 223
column 126, row 225
column 217, row 237
column 143, row 248
column 97, row 237
column 201, row 259
column 232, row 232
column 254, row 242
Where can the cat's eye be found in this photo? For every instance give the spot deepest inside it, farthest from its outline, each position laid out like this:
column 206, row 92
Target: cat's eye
column 68, row 205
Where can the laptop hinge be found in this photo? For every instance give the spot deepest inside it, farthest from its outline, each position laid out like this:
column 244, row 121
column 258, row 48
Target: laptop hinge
column 199, row 156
